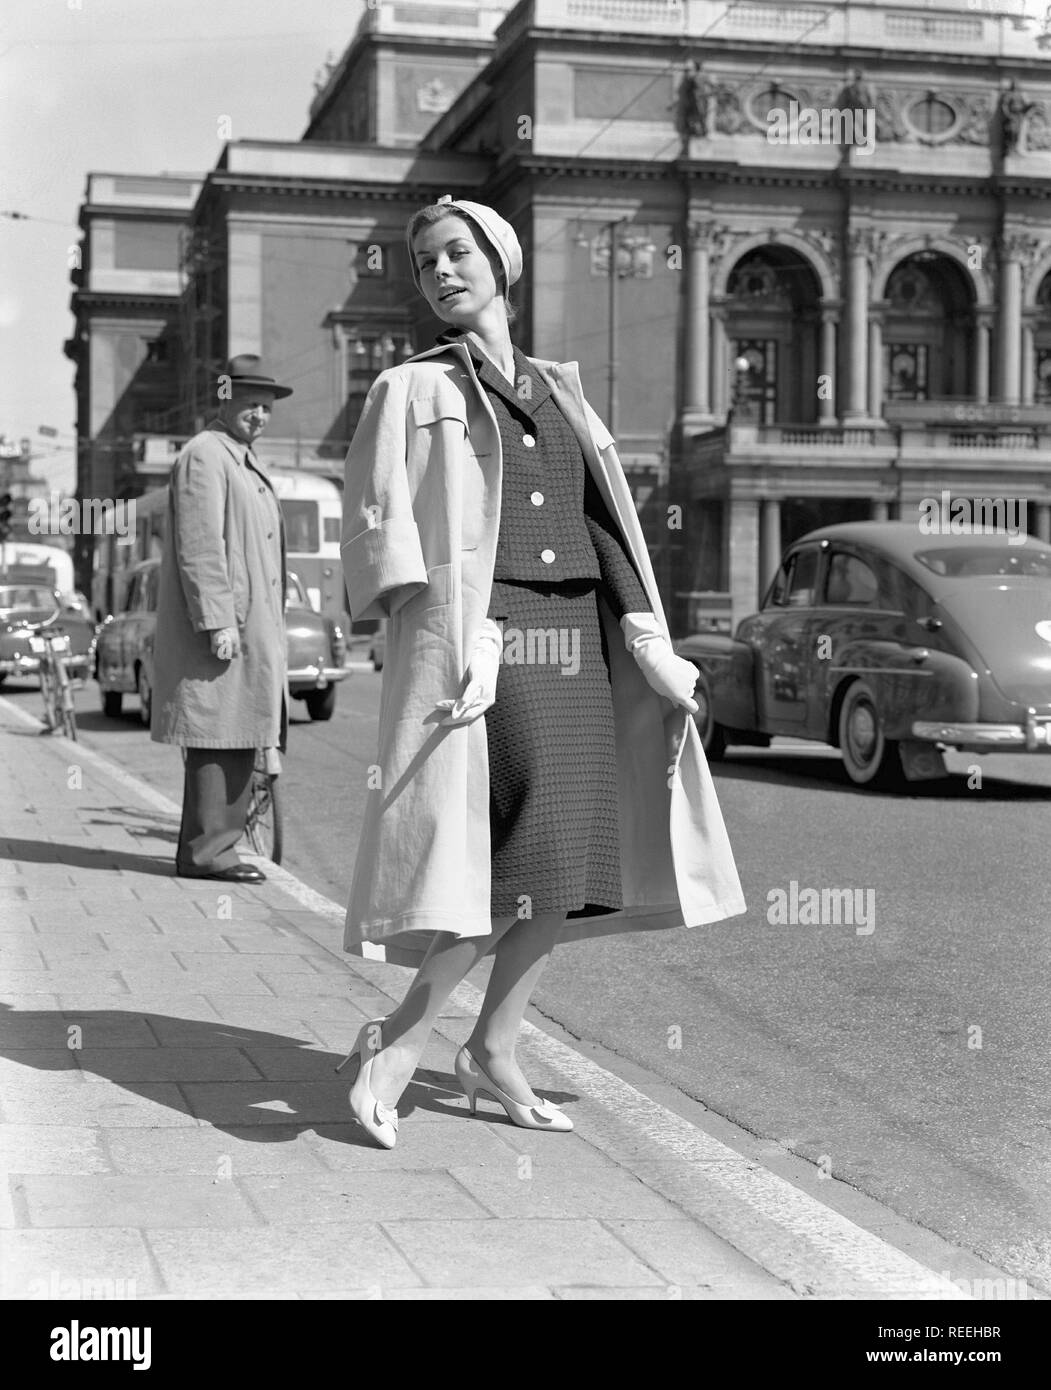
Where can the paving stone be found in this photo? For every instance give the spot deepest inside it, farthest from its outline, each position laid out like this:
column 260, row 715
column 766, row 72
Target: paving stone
column 520, row 1186
column 466, row 1295
column 57, row 981
column 176, row 1064
column 237, row 1263
column 54, row 1149
column 174, row 1030
column 419, row 1146
column 513, row 1251
column 295, row 1063
column 291, row 984
column 165, row 1199
column 50, row 1030
column 19, row 1006
column 275, row 943
column 223, row 980
column 98, row 1102
column 229, row 1152
column 237, row 963
column 27, row 1063
column 21, row 956
column 685, row 1253
column 669, row 1293
column 74, row 1263
column 351, row 1197
column 268, row 1102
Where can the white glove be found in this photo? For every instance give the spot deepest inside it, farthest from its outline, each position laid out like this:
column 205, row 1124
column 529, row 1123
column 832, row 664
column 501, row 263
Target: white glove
column 482, row 670
column 669, row 675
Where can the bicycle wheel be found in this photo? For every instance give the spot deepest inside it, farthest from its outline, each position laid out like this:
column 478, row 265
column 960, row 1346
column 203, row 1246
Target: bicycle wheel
column 49, row 690
column 264, row 825
column 68, row 705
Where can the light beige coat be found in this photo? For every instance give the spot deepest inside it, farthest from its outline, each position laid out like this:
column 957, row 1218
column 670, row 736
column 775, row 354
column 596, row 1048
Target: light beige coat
column 420, row 521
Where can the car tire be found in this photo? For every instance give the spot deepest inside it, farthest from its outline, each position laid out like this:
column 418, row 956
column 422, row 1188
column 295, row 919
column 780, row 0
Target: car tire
column 111, row 703
column 870, row 758
column 321, row 704
column 142, row 684
column 713, row 735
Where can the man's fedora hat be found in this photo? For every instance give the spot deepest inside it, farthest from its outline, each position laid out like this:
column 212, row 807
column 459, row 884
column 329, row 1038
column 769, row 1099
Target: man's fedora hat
column 245, row 372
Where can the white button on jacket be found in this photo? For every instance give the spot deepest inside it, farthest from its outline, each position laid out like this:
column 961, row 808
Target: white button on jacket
column 528, row 440
column 548, row 557
column 537, row 499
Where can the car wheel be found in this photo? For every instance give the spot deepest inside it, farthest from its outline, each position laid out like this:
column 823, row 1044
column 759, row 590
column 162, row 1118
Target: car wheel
column 142, row 682
column 321, row 703
column 111, row 703
column 871, row 759
column 713, row 735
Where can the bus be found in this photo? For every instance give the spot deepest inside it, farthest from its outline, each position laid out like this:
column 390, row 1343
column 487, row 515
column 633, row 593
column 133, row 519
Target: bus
column 312, row 506
column 17, row 555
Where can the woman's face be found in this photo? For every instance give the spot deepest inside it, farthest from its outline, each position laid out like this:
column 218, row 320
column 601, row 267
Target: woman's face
column 456, row 275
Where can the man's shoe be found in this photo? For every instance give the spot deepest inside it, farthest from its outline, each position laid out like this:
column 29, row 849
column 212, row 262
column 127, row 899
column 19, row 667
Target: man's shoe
column 236, row 873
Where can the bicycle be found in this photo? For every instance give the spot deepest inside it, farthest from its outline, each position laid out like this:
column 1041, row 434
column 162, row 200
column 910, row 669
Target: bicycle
column 264, row 824
column 51, row 645
column 264, row 832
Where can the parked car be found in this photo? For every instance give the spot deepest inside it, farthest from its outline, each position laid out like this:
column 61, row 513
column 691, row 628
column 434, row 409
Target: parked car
column 891, row 645
column 316, row 651
column 22, row 605
column 124, row 657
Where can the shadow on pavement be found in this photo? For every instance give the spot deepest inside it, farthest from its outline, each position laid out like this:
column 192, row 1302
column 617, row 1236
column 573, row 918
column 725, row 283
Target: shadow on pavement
column 128, row 1041
column 81, row 857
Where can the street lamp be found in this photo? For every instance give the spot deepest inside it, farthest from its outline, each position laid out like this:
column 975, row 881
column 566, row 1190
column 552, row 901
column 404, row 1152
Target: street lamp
column 742, row 366
column 620, row 258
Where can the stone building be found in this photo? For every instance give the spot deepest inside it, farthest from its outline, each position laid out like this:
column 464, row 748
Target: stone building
column 802, row 252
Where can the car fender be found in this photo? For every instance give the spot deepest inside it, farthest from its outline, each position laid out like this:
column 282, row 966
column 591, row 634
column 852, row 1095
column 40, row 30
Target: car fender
column 729, row 668
column 909, row 683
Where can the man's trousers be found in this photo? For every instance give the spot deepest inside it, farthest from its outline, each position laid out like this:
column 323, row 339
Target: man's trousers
column 216, row 791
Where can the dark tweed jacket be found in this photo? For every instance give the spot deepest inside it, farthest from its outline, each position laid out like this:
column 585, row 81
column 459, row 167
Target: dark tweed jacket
column 549, row 505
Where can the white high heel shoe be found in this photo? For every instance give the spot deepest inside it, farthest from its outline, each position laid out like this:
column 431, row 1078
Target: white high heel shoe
column 544, row 1115
column 377, row 1119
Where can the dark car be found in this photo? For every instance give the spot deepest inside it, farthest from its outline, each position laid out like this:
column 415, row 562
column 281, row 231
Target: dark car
column 891, row 645
column 124, row 657
column 24, row 605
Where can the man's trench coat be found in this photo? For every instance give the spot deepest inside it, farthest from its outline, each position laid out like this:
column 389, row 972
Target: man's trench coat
column 223, row 566
column 420, row 521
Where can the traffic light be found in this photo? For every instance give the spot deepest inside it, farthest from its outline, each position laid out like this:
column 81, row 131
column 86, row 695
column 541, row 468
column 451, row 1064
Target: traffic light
column 7, row 503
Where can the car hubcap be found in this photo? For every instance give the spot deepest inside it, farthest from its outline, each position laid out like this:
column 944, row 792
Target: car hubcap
column 863, row 733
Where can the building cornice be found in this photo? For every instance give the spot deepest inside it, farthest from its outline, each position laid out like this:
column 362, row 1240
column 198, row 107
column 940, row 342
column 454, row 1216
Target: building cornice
column 96, row 300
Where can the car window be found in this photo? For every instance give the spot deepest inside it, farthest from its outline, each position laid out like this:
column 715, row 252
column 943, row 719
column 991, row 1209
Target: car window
column 802, row 578
column 850, row 582
column 985, row 560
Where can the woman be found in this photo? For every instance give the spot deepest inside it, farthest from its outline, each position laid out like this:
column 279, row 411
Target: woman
column 487, row 518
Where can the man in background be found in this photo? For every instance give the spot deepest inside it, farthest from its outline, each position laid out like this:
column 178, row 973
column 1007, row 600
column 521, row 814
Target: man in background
column 220, row 688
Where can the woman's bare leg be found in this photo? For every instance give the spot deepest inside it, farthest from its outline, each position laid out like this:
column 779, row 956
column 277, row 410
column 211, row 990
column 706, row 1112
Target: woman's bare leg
column 518, row 963
column 406, row 1030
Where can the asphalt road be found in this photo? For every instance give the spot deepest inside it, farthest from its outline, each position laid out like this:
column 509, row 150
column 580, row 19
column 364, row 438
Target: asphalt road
column 907, row 1053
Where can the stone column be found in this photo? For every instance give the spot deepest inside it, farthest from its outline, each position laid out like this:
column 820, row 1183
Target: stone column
column 875, row 366
column 859, row 243
column 826, row 406
column 720, row 396
column 1013, row 249
column 698, row 327
column 769, row 541
column 743, row 567
column 1043, row 521
column 980, row 388
column 1028, row 363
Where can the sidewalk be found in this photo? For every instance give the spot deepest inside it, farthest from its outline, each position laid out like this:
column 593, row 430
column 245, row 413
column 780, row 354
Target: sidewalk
column 172, row 1125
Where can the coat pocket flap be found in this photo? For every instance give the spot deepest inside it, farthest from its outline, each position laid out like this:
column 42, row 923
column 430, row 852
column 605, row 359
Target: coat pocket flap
column 428, row 410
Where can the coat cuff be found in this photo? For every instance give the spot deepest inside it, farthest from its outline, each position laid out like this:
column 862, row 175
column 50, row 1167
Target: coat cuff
column 379, row 561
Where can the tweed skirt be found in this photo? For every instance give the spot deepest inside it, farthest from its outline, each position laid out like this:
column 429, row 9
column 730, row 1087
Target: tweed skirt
column 552, row 755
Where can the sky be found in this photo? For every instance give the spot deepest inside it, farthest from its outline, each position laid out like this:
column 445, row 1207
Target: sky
column 123, row 86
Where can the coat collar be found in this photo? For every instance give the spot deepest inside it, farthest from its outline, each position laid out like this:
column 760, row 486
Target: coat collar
column 238, row 449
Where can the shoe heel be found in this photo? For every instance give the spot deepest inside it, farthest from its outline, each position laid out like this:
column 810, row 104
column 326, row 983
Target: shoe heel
column 346, row 1059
